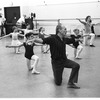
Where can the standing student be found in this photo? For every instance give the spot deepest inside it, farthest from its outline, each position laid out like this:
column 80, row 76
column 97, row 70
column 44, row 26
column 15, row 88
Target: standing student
column 29, row 53
column 87, row 25
column 15, row 42
column 59, row 59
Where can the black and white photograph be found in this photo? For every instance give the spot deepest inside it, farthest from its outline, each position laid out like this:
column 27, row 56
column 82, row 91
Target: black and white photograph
column 50, row 49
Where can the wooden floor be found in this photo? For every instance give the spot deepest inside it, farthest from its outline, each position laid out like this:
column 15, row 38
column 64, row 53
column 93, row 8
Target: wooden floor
column 17, row 82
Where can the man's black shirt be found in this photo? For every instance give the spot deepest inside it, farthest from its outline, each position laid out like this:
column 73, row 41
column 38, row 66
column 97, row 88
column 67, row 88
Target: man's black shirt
column 57, row 46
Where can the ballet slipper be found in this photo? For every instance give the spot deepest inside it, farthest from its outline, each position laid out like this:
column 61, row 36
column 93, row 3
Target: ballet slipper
column 35, row 72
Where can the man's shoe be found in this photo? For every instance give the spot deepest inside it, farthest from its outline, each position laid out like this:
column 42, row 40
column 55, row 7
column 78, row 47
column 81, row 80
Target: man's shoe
column 92, row 45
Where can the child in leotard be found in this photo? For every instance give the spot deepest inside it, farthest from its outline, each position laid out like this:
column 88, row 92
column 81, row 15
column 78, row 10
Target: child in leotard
column 15, row 42
column 29, row 53
column 77, row 43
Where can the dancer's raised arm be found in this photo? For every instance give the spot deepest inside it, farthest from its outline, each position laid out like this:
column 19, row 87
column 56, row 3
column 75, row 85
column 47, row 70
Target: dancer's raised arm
column 81, row 21
column 5, row 36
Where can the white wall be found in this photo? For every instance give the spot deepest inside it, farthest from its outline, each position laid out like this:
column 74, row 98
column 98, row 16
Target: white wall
column 25, row 10
column 56, row 11
column 64, row 11
column 67, row 11
column 80, row 10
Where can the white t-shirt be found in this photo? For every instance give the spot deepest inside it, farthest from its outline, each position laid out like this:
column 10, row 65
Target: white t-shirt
column 21, row 20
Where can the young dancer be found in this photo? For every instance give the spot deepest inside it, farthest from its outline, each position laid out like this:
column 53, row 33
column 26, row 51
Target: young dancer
column 87, row 25
column 77, row 43
column 29, row 53
column 15, row 42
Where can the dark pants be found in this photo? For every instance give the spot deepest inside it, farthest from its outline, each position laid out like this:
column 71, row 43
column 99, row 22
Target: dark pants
column 58, row 67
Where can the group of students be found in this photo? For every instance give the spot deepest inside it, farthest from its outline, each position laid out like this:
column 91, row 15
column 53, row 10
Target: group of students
column 16, row 44
column 57, row 45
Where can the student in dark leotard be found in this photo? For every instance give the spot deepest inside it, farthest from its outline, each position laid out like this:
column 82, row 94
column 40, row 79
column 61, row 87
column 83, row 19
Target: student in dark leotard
column 29, row 53
column 77, row 43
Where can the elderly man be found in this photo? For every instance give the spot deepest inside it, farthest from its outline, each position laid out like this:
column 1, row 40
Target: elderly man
column 59, row 59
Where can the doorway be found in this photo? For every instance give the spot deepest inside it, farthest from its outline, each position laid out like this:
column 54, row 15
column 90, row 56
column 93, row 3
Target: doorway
column 12, row 14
